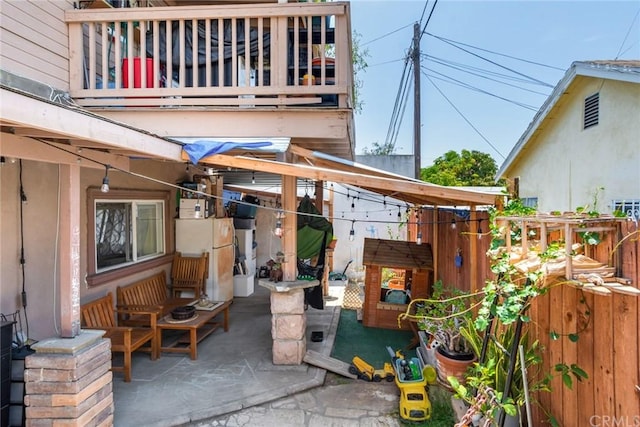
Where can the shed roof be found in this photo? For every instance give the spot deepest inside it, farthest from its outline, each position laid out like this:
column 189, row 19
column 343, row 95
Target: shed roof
column 320, row 167
column 397, row 253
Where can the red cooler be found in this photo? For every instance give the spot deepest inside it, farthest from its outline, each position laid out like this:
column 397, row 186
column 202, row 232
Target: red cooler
column 137, row 73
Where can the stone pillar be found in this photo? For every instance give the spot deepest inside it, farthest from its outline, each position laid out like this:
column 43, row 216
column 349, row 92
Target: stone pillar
column 68, row 382
column 288, row 320
column 288, row 327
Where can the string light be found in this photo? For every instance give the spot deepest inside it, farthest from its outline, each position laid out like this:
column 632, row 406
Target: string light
column 278, row 230
column 352, row 233
column 253, row 177
column 105, row 188
column 105, row 181
column 419, row 238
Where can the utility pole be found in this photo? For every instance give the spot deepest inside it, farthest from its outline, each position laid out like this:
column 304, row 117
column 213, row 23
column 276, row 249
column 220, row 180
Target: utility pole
column 416, row 98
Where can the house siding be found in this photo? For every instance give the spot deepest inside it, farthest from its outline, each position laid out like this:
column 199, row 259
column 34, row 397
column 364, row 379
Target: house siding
column 40, row 185
column 34, row 40
column 566, row 166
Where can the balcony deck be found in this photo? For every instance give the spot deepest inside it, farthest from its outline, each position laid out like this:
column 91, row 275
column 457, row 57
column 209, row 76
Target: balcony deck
column 278, row 63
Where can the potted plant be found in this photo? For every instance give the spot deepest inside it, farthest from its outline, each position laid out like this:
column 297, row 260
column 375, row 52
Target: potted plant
column 443, row 317
column 506, row 301
column 485, row 382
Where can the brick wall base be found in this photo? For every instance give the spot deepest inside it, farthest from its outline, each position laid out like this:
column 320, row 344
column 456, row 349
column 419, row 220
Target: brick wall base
column 68, row 382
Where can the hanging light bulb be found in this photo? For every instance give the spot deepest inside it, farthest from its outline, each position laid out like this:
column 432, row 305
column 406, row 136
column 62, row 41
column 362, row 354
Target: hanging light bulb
column 453, row 224
column 419, row 238
column 278, row 229
column 352, row 233
column 105, row 181
column 479, row 230
column 353, row 205
column 253, row 177
column 399, row 214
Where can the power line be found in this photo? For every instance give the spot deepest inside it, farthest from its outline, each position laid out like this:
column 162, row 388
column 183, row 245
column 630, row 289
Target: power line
column 627, row 35
column 386, row 62
column 402, row 87
column 386, row 35
column 493, row 62
column 465, row 119
column 465, row 69
column 451, row 80
column 498, row 53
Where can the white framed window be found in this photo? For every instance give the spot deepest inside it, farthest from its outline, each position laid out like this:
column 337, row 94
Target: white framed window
column 630, row 207
column 530, row 202
column 128, row 231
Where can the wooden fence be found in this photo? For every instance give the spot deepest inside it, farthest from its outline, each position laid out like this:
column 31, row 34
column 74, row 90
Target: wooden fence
column 607, row 347
column 608, row 327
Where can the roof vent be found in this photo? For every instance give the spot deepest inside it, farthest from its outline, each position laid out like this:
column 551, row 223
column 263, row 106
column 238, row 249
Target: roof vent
column 591, row 110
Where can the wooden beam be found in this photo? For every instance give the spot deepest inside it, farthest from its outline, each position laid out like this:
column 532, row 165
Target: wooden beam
column 319, row 197
column 289, row 237
column 233, row 123
column 69, row 249
column 431, row 193
column 71, row 124
column 31, row 149
column 473, row 249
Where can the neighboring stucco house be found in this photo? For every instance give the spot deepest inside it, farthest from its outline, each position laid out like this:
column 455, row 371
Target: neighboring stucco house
column 582, row 148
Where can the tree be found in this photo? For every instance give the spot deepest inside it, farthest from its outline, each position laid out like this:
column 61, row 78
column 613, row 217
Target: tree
column 359, row 57
column 469, row 168
column 360, row 64
column 378, row 149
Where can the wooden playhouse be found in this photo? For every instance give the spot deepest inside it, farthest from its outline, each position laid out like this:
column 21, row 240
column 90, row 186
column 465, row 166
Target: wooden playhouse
column 396, row 271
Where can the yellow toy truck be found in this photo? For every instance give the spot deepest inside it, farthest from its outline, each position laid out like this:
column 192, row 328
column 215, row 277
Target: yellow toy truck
column 366, row 372
column 412, row 379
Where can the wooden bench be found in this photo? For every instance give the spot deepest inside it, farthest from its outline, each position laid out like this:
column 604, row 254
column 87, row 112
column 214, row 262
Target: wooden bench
column 146, row 295
column 100, row 314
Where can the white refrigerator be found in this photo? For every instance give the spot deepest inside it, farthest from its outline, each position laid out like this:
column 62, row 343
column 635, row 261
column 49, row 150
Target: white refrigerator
column 215, row 235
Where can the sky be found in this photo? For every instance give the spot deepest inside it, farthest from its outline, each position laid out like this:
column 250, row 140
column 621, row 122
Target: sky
column 528, row 45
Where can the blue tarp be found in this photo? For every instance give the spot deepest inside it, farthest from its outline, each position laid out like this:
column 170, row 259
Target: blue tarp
column 199, row 149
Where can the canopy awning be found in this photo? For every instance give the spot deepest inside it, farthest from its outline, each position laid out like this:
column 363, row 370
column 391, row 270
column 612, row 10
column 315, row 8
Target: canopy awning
column 318, row 167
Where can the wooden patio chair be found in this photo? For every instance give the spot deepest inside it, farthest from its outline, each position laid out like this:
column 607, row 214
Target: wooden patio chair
column 100, row 314
column 189, row 273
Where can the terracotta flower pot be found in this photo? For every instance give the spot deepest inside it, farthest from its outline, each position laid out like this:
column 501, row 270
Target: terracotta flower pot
column 452, row 365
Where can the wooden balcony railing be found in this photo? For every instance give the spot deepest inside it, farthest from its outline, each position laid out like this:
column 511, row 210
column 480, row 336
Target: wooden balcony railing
column 291, row 54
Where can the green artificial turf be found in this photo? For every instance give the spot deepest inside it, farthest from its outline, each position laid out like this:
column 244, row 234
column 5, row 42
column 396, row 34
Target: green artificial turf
column 355, row 339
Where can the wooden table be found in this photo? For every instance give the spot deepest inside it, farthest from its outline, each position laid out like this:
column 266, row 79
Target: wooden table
column 196, row 329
